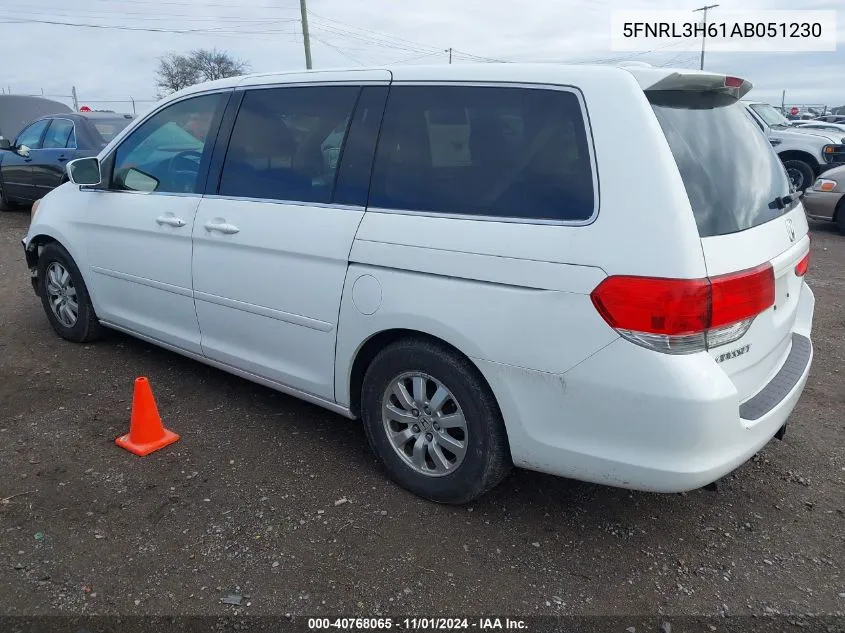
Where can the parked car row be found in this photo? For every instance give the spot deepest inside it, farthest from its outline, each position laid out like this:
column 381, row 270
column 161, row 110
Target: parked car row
column 486, row 264
column 35, row 162
column 806, row 152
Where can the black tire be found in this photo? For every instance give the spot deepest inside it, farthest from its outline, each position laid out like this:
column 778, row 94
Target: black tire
column 798, row 169
column 486, row 460
column 86, row 326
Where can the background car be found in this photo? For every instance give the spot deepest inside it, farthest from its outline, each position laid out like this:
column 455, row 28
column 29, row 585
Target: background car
column 18, row 110
column 825, row 200
column 805, row 153
column 832, row 118
column 35, row 162
column 827, row 128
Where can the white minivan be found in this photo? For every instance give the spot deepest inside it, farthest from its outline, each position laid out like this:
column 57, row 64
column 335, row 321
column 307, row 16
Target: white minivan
column 593, row 272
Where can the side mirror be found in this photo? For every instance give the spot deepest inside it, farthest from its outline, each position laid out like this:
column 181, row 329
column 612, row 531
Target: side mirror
column 137, row 180
column 85, row 171
column 23, row 150
column 5, row 143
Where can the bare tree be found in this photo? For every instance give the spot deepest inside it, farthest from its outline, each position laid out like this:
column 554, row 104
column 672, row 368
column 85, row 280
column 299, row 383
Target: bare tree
column 174, row 73
column 180, row 71
column 213, row 64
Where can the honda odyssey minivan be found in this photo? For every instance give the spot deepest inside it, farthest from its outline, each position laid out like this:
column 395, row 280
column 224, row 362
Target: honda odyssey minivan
column 490, row 267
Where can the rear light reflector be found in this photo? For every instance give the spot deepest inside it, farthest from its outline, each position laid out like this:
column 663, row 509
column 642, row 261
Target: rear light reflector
column 802, row 266
column 682, row 316
column 733, row 82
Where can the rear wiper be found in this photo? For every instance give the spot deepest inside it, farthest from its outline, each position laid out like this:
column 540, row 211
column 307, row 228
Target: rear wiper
column 781, row 202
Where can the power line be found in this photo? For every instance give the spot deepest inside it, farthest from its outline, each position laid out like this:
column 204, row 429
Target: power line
column 120, row 27
column 378, row 35
column 32, row 13
column 229, row 5
column 413, row 58
column 338, row 49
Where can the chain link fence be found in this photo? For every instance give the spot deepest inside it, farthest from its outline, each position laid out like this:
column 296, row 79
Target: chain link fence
column 76, row 101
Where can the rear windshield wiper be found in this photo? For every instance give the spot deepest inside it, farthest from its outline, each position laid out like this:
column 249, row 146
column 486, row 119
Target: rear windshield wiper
column 781, row 202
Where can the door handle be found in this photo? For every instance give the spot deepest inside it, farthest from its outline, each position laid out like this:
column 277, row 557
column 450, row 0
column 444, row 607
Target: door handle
column 222, row 227
column 62, row 159
column 170, row 220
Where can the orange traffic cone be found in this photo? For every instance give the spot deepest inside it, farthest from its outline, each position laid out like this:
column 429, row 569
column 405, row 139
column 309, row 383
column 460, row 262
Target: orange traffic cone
column 146, row 432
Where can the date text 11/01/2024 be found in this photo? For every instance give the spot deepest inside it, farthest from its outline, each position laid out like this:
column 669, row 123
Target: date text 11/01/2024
column 417, row 624
column 722, row 29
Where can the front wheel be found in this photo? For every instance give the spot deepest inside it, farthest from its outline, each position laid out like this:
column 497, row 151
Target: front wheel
column 840, row 215
column 800, row 173
column 64, row 296
column 433, row 422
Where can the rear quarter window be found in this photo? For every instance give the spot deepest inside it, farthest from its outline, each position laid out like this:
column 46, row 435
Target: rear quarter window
column 516, row 153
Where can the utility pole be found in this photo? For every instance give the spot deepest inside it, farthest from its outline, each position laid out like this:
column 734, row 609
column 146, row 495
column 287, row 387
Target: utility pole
column 75, row 100
column 704, row 21
column 783, row 102
column 133, row 105
column 450, row 54
column 306, row 39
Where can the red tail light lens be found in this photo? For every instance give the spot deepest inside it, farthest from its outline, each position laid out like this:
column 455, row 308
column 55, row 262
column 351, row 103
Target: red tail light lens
column 667, row 314
column 803, row 266
column 654, row 305
column 733, row 82
column 741, row 295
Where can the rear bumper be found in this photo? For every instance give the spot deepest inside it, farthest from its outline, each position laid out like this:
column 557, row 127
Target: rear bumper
column 820, row 205
column 632, row 418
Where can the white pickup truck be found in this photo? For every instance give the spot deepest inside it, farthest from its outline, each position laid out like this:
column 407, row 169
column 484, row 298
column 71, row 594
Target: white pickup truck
column 805, row 153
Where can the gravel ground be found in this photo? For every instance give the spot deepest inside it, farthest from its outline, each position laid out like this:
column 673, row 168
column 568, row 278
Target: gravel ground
column 281, row 503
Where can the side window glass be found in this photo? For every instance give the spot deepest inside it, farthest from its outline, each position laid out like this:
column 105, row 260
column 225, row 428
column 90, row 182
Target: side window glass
column 501, row 152
column 286, row 143
column 58, row 134
column 31, row 136
column 71, row 141
column 166, row 152
column 356, row 163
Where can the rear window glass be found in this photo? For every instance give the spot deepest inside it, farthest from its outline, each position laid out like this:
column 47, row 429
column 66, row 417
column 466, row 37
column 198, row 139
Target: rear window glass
column 732, row 176
column 497, row 152
column 108, row 129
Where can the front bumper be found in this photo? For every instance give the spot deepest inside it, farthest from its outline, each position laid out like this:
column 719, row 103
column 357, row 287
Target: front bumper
column 31, row 263
column 821, row 205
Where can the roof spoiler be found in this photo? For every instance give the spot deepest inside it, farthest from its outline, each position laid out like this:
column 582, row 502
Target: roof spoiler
column 701, row 82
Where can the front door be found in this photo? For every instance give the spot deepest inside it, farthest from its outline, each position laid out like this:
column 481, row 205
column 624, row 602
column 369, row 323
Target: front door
column 271, row 248
column 49, row 163
column 16, row 165
column 138, row 223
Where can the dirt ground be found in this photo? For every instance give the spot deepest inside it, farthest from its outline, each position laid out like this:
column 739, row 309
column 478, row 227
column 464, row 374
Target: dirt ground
column 250, row 501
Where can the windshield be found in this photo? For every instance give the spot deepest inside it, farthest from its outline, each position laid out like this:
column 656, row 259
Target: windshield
column 771, row 116
column 107, row 129
column 732, row 175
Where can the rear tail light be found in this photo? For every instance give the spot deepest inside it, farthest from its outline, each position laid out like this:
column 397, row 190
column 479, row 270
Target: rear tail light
column 733, row 82
column 683, row 316
column 802, row 266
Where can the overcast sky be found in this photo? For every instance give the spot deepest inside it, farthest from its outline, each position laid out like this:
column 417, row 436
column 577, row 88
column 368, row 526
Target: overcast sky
column 105, row 62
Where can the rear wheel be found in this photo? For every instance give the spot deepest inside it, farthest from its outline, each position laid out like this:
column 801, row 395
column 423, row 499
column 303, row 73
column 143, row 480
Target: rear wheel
column 433, row 422
column 800, row 173
column 64, row 296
